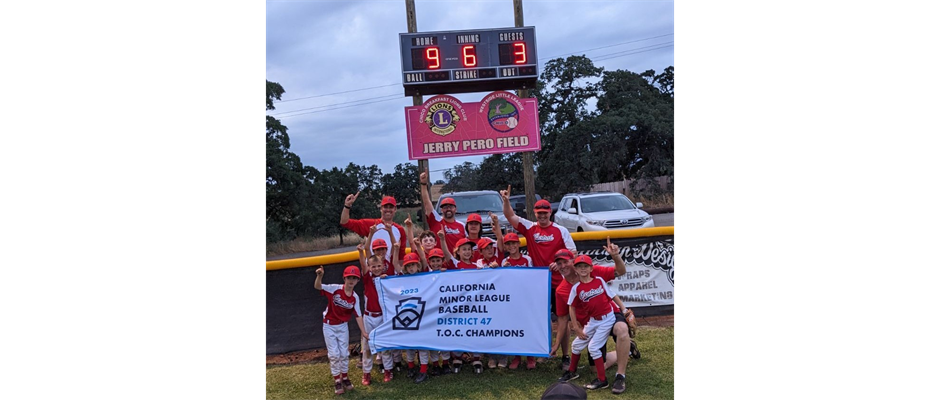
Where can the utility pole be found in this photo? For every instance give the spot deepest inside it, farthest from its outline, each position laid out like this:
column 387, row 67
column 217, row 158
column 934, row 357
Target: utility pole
column 528, row 170
column 417, row 100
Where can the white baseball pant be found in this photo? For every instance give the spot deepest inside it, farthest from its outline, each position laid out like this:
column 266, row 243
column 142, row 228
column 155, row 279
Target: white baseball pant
column 337, row 347
column 367, row 359
column 597, row 332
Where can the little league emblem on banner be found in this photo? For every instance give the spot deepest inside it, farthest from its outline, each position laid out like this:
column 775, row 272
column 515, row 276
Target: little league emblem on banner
column 408, row 314
column 497, row 311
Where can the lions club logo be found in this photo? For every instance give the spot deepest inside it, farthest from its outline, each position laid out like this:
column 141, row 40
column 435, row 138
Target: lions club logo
column 503, row 116
column 442, row 118
column 408, row 314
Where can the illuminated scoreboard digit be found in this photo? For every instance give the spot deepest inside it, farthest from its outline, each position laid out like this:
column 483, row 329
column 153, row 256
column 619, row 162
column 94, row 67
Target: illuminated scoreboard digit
column 481, row 60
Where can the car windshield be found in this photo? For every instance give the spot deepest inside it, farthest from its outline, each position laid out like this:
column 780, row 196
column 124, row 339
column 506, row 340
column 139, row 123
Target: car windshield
column 478, row 203
column 605, row 203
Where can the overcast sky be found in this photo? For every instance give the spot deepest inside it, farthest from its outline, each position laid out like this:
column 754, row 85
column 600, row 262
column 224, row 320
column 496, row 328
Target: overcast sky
column 319, row 49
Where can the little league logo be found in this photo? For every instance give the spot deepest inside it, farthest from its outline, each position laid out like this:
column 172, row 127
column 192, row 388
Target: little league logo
column 408, row 314
column 503, row 116
column 442, row 118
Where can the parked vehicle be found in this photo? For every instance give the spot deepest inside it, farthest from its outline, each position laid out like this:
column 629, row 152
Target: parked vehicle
column 586, row 212
column 517, row 202
column 481, row 202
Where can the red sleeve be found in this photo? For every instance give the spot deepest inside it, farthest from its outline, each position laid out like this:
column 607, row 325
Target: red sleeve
column 606, row 273
column 360, row 226
column 434, row 225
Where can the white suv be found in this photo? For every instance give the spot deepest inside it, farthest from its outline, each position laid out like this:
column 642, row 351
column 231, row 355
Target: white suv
column 580, row 212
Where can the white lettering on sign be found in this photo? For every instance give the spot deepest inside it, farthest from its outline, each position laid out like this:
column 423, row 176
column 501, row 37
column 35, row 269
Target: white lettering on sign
column 471, row 74
column 478, row 144
column 510, row 36
column 509, row 71
column 441, row 147
column 418, row 77
column 512, row 141
column 468, row 39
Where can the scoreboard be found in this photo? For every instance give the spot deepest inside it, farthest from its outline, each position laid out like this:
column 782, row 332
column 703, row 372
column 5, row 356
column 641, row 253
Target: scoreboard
column 479, row 60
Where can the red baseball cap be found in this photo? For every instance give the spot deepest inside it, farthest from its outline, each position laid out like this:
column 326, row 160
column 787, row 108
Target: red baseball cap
column 583, row 259
column 564, row 254
column 510, row 237
column 543, row 205
column 351, row 271
column 379, row 244
column 410, row 258
column 436, row 253
column 449, row 200
column 483, row 242
column 462, row 242
column 474, row 217
column 389, row 200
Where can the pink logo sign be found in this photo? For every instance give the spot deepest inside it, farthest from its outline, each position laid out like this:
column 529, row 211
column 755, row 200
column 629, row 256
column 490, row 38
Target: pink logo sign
column 445, row 127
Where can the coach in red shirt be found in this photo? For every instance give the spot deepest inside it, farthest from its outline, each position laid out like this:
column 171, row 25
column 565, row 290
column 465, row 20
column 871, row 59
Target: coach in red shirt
column 543, row 237
column 361, row 226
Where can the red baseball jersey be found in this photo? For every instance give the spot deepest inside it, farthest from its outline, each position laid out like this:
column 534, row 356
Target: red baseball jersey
column 564, row 290
column 361, row 227
column 453, row 231
column 485, row 262
column 593, row 298
column 340, row 307
column 463, row 265
column 372, row 295
column 522, row 261
column 542, row 243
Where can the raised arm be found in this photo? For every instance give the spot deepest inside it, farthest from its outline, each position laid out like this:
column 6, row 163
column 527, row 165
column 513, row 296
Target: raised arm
column 396, row 248
column 614, row 251
column 440, row 239
column 372, row 230
column 362, row 255
column 498, row 232
column 347, row 204
column 425, row 195
column 507, row 209
column 318, row 284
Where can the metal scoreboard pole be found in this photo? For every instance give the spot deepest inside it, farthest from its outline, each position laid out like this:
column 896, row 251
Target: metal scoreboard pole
column 417, row 100
column 528, row 175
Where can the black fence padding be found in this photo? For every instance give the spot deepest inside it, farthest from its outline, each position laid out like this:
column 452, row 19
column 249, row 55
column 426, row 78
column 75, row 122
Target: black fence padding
column 295, row 308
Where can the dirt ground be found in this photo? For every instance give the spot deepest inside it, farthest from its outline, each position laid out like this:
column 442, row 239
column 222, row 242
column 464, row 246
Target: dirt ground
column 319, row 355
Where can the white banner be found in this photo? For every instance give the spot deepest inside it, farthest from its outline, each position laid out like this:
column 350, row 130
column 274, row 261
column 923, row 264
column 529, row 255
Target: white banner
column 649, row 279
column 499, row 311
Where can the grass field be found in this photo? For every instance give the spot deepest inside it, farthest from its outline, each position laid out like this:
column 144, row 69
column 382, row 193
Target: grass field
column 650, row 377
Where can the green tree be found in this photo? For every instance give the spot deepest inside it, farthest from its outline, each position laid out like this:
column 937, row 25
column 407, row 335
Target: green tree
column 461, row 177
column 634, row 128
column 498, row 170
column 285, row 183
column 564, row 89
column 402, row 184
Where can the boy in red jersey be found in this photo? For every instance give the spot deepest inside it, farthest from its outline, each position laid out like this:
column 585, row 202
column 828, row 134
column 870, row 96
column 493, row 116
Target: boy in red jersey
column 592, row 296
column 514, row 258
column 372, row 315
column 342, row 304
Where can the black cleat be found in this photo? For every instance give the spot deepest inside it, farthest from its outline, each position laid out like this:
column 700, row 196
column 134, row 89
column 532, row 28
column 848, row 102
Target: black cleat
column 619, row 384
column 421, row 377
column 565, row 362
column 457, row 365
column 634, row 352
column 569, row 376
column 412, row 372
column 347, row 384
column 478, row 367
column 596, row 384
column 446, row 370
column 434, row 371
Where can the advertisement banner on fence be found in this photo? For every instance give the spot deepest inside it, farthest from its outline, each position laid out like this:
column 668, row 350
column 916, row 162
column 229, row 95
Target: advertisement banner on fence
column 498, row 311
column 649, row 280
column 446, row 127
